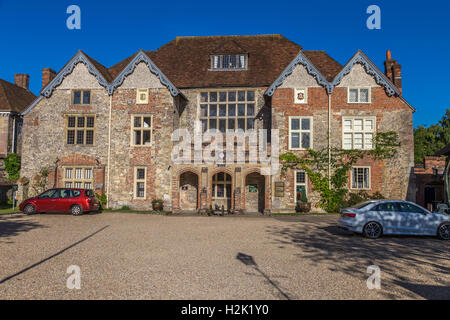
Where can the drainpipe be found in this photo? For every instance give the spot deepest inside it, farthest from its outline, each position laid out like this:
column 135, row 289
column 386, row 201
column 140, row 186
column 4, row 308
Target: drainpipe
column 109, row 153
column 14, row 135
column 329, row 140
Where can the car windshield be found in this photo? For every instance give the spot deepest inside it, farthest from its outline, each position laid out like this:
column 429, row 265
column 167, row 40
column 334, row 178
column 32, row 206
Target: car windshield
column 361, row 205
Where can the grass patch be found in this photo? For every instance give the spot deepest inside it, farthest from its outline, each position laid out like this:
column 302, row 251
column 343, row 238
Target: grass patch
column 6, row 209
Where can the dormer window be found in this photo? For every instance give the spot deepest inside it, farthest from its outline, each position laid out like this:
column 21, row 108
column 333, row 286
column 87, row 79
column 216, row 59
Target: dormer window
column 229, row 62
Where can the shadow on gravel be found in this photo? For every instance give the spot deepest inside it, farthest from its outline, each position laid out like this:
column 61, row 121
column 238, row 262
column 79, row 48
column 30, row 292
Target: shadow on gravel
column 249, row 261
column 12, row 226
column 351, row 254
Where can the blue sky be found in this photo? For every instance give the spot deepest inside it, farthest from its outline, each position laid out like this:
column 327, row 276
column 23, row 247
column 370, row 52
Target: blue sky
column 34, row 35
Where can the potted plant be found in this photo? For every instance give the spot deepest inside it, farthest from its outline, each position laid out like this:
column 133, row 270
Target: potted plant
column 158, row 204
column 303, row 205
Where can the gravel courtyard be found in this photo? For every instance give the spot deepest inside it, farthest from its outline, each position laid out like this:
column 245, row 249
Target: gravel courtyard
column 140, row 256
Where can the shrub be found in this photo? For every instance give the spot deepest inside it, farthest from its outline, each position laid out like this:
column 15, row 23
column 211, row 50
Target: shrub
column 154, row 201
column 12, row 166
column 125, row 208
column 102, row 199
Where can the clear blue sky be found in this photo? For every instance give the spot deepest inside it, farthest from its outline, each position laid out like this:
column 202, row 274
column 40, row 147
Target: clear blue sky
column 34, row 35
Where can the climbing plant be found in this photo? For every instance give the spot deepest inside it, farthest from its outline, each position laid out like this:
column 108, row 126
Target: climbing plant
column 328, row 169
column 12, row 166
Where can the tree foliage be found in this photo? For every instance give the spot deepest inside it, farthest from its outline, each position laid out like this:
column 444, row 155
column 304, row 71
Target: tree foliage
column 329, row 175
column 12, row 166
column 429, row 140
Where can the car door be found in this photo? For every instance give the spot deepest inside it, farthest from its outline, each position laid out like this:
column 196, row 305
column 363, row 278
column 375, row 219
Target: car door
column 389, row 215
column 46, row 202
column 65, row 201
column 415, row 220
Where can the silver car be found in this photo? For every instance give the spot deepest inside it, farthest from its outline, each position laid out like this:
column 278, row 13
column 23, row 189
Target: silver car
column 374, row 218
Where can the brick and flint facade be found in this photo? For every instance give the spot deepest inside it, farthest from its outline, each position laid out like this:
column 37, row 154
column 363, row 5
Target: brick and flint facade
column 110, row 129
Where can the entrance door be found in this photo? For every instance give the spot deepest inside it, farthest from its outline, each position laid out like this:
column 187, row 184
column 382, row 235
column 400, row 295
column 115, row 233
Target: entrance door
column 188, row 191
column 221, row 191
column 430, row 197
column 254, row 193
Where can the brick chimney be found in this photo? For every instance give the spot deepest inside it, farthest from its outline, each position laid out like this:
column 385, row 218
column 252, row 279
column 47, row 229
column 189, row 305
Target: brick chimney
column 22, row 80
column 47, row 76
column 393, row 70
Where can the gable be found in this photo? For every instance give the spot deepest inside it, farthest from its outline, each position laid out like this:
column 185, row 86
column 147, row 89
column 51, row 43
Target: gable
column 299, row 78
column 79, row 78
column 141, row 77
column 358, row 77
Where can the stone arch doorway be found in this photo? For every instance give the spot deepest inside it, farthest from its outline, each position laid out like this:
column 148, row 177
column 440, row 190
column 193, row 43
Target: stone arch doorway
column 255, row 187
column 188, row 191
column 221, row 192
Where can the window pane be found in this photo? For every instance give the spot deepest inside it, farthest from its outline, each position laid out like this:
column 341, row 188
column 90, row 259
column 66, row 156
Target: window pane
column 250, row 95
column 140, row 189
column 204, row 97
column 347, row 124
column 364, row 95
column 86, row 97
column 354, row 178
column 137, row 137
column 241, row 109
column 90, row 122
column 213, row 96
column 204, row 110
column 88, row 185
column 222, row 125
column 301, row 177
column 347, row 141
column 146, row 137
column 68, row 185
column 137, row 122
column 250, row 124
column 353, row 95
column 77, row 97
column 358, row 124
column 228, row 190
column 147, row 123
column 69, row 173
column 295, row 124
column 366, row 178
column 88, row 173
column 306, row 143
column 78, row 173
column 78, row 185
column 220, row 191
column 241, row 95
column 306, row 124
column 222, row 96
column 357, row 141
column 241, row 123
column 231, row 124
column 368, row 125
column 140, row 173
column 232, row 110
column 250, row 109
column 80, row 123
column 70, row 136
column 241, row 61
column 204, row 125
column 295, row 140
column 222, row 110
column 213, row 110
column 212, row 124
column 80, row 137
column 89, row 137
column 71, row 122
column 225, row 62
column 368, row 137
column 232, row 96
column 232, row 63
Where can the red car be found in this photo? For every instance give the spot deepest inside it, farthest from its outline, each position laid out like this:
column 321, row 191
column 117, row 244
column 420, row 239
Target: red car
column 75, row 201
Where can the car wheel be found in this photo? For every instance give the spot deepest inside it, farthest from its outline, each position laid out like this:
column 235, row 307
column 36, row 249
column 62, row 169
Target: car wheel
column 29, row 209
column 444, row 231
column 372, row 230
column 76, row 210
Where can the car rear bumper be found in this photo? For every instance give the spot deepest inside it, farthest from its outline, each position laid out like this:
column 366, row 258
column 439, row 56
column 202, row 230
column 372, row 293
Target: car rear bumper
column 349, row 225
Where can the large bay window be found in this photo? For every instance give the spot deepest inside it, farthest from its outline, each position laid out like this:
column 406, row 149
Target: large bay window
column 78, row 177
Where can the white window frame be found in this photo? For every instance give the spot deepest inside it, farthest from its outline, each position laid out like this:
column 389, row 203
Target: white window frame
column 136, row 181
column 74, row 179
column 369, row 177
column 296, row 183
column 352, row 131
column 138, row 96
column 300, row 130
column 296, row 101
column 359, row 95
column 142, row 129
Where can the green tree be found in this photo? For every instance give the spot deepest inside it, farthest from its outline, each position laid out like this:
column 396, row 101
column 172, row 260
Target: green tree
column 429, row 140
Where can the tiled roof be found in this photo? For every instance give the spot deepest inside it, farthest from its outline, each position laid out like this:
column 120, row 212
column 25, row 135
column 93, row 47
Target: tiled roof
column 186, row 60
column 14, row 98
